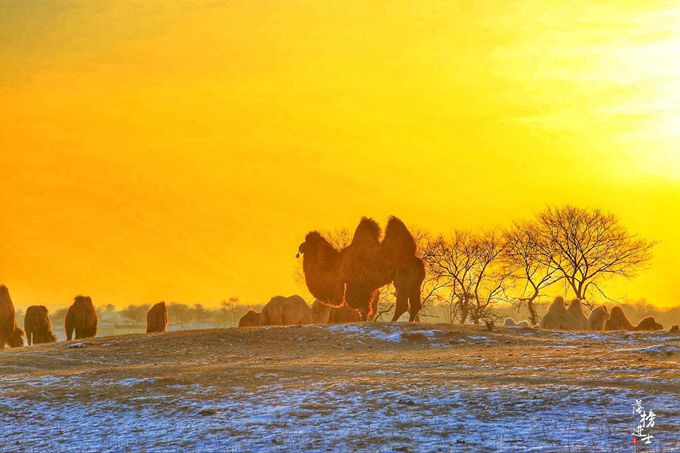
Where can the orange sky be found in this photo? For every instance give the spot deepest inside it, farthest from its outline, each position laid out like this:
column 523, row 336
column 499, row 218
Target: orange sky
column 181, row 150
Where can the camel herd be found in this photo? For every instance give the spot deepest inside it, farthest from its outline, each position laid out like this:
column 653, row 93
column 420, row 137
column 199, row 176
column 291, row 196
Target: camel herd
column 81, row 321
column 293, row 310
column 346, row 283
column 81, row 318
column 571, row 317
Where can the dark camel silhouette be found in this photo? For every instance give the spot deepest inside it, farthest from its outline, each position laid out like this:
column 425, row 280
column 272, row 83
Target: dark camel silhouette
column 81, row 318
column 157, row 318
column 10, row 333
column 354, row 274
column 648, row 323
column 598, row 317
column 38, row 326
column 617, row 320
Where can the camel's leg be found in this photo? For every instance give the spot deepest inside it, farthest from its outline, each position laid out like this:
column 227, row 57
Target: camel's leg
column 401, row 306
column 374, row 305
column 414, row 305
column 364, row 314
column 359, row 298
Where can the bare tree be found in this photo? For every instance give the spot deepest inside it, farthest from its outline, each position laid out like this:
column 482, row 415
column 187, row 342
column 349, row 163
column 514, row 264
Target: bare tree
column 492, row 276
column 339, row 238
column 586, row 246
column 227, row 313
column 469, row 265
column 434, row 285
column 523, row 257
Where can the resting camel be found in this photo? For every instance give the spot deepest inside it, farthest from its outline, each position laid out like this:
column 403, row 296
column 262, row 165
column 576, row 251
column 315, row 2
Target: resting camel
column 285, row 311
column 648, row 323
column 279, row 311
column 325, row 314
column 581, row 322
column 10, row 333
column 354, row 274
column 81, row 318
column 558, row 317
column 617, row 320
column 598, row 317
column 157, row 318
column 320, row 312
column 37, row 325
column 344, row 315
column 509, row 322
column 250, row 319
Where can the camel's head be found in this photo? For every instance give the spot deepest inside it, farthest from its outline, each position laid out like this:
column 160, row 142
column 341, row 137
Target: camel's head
column 16, row 340
column 301, row 250
column 83, row 300
column 313, row 241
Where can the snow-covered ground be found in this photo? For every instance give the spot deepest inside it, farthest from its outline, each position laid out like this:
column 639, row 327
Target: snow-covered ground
column 400, row 388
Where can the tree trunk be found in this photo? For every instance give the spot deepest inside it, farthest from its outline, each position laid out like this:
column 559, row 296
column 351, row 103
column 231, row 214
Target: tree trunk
column 578, row 289
column 463, row 312
column 532, row 309
column 532, row 313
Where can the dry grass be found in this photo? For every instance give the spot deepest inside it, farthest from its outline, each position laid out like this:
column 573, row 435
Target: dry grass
column 434, row 387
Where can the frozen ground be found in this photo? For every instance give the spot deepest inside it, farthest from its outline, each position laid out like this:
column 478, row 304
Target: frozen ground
column 377, row 387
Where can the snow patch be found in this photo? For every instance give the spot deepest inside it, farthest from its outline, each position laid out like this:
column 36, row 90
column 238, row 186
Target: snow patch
column 347, row 328
column 134, row 381
column 482, row 339
column 658, row 349
column 408, row 415
column 388, row 334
